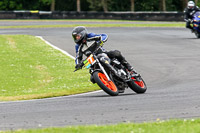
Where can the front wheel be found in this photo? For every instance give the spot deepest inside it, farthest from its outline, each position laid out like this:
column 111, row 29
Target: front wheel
column 197, row 34
column 137, row 84
column 108, row 86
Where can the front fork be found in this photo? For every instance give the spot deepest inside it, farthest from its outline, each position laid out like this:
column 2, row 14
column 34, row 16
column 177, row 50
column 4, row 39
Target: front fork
column 103, row 70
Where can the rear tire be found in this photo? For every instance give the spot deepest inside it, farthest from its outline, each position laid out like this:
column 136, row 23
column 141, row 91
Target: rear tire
column 138, row 86
column 108, row 86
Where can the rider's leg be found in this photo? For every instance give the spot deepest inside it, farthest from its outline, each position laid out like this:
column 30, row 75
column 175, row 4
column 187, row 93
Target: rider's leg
column 117, row 54
column 189, row 26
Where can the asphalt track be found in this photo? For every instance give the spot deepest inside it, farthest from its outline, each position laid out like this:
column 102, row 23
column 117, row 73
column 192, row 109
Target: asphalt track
column 167, row 58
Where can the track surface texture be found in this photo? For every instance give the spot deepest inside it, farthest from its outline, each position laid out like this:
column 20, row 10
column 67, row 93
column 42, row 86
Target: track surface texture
column 167, row 58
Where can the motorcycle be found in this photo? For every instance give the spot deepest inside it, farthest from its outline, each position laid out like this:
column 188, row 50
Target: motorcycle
column 196, row 23
column 105, row 78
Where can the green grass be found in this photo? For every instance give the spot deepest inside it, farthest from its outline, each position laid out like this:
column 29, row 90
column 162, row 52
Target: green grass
column 172, row 126
column 94, row 25
column 101, row 24
column 83, row 20
column 30, row 69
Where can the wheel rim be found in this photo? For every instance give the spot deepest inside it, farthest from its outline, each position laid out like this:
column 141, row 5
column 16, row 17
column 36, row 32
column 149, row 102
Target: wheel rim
column 108, row 84
column 139, row 83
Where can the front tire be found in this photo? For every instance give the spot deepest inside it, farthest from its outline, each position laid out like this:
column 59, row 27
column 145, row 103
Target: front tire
column 197, row 34
column 138, row 85
column 108, row 86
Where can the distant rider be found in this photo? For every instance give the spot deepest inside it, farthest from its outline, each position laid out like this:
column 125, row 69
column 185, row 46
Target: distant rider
column 82, row 37
column 189, row 12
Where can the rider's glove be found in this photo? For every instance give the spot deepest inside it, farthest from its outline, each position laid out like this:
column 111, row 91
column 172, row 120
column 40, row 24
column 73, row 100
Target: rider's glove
column 79, row 66
column 98, row 40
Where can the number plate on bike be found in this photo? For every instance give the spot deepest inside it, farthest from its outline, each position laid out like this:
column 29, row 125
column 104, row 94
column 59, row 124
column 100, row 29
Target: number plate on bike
column 89, row 61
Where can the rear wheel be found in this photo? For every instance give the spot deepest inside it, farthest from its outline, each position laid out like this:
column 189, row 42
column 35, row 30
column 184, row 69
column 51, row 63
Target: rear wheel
column 108, row 86
column 137, row 84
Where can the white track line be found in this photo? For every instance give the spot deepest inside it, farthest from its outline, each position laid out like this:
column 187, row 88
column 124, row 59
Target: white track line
column 64, row 52
column 51, row 98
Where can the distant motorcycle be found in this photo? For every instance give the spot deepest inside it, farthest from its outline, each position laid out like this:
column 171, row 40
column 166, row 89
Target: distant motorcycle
column 196, row 23
column 107, row 80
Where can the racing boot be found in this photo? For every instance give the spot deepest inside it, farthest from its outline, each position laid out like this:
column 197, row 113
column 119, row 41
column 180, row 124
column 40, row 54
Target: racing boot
column 129, row 68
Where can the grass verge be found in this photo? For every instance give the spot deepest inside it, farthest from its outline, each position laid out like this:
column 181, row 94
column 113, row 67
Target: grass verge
column 31, row 69
column 97, row 23
column 82, row 20
column 172, row 126
column 93, row 25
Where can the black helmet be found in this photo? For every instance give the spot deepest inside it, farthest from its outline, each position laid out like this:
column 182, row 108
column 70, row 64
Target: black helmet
column 79, row 33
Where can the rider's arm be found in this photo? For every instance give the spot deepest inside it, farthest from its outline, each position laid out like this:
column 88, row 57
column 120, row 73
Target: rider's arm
column 197, row 8
column 104, row 37
column 79, row 54
column 97, row 37
column 186, row 15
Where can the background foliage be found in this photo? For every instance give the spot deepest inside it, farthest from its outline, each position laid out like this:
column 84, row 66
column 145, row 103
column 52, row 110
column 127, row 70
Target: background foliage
column 93, row 5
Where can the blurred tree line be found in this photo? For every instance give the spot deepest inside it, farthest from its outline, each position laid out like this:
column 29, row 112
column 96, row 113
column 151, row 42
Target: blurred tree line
column 95, row 5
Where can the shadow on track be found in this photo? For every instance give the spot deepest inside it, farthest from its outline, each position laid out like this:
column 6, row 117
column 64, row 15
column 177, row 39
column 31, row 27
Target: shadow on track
column 106, row 95
column 191, row 38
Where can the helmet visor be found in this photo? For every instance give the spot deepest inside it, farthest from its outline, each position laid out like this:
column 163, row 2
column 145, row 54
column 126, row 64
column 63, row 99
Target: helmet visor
column 77, row 37
column 190, row 7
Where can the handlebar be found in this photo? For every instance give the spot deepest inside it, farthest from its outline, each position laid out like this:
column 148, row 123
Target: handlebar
column 94, row 52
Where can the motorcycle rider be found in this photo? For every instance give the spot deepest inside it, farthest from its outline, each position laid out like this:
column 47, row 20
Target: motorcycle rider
column 189, row 11
column 82, row 37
